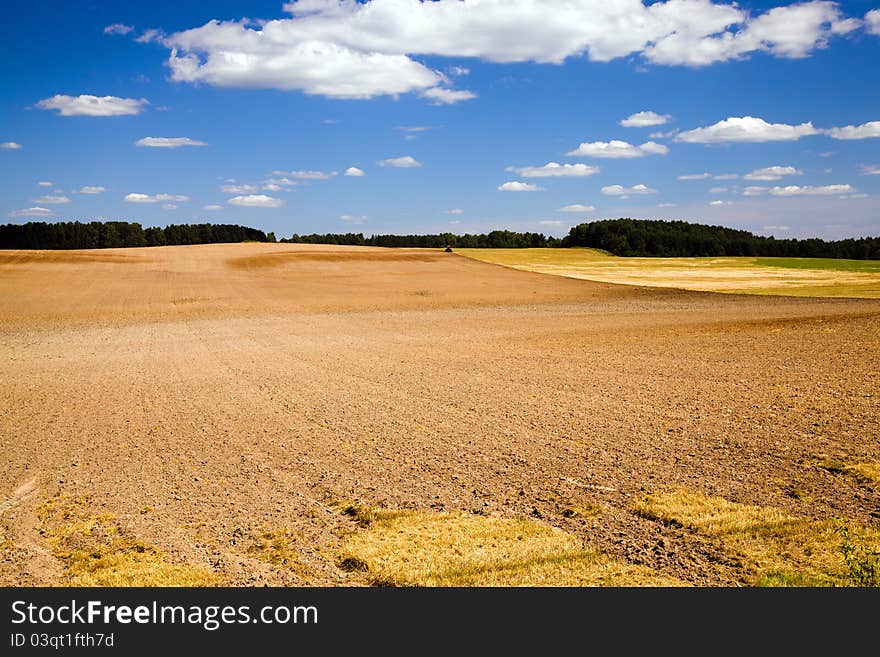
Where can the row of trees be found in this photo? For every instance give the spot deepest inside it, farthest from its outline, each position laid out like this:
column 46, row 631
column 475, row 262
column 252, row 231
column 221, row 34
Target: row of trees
column 497, row 239
column 117, row 234
column 640, row 237
column 622, row 237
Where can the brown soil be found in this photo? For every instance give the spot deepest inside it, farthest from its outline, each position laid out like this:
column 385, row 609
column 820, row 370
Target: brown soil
column 205, row 395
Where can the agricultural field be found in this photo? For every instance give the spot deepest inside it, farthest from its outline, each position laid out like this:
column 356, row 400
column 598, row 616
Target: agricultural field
column 283, row 414
column 802, row 277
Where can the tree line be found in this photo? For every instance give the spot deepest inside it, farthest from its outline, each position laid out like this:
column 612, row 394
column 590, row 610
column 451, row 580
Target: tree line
column 641, row 237
column 621, row 237
column 496, row 239
column 120, row 234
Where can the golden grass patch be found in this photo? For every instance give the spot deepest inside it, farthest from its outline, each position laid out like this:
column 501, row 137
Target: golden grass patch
column 423, row 548
column 95, row 550
column 864, row 473
column 776, row 548
column 278, row 547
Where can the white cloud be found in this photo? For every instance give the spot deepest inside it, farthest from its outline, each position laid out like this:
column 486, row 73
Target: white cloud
column 169, row 206
column 695, row 176
column 864, row 131
column 517, row 186
column 151, row 35
column 617, row 149
column 726, row 176
column 772, row 173
column 825, row 190
column 550, row 222
column 212, row 208
column 454, row 211
column 168, row 142
column 270, row 184
column 32, row 212
column 256, row 201
column 555, row 170
column 272, row 187
column 52, row 200
column 620, row 190
column 870, row 169
column 779, row 228
column 790, row 31
column 442, row 96
column 455, row 222
column 405, row 162
column 349, row 49
column 306, row 175
column 156, row 198
column 91, row 189
column 746, row 129
column 718, row 190
column 644, row 120
column 10, row 146
column 872, row 21
column 85, row 105
column 576, row 207
column 355, row 172
column 45, row 183
column 718, row 203
column 458, row 70
column 754, row 190
column 667, row 205
column 353, row 218
column 118, row 28
column 239, row 189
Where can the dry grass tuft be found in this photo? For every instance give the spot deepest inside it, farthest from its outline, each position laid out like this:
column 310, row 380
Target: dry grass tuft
column 419, row 548
column 95, row 551
column 278, row 547
column 864, row 473
column 775, row 548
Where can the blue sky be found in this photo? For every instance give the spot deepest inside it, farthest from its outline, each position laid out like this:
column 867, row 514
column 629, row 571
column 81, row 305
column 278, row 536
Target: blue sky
column 457, row 116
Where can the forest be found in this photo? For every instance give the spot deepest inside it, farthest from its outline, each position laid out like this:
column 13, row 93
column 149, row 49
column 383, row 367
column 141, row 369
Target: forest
column 120, row 234
column 621, row 237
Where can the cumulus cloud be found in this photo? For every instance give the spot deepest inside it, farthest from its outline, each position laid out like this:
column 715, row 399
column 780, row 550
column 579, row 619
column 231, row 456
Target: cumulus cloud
column 518, row 186
column 86, row 105
column 353, row 218
column 454, row 211
column 620, row 190
column 32, row 212
column 118, row 28
column 256, row 201
column 52, row 200
column 695, row 176
column 10, row 146
column 350, row 49
column 405, row 162
column 355, row 172
column 746, row 129
column 870, row 170
column 550, row 222
column 91, row 189
column 441, row 96
column 872, row 21
column 239, row 189
column 155, row 198
column 45, row 183
column 555, row 170
column 825, row 190
column 576, row 207
column 717, row 203
column 772, row 173
column 864, row 131
column 618, row 149
column 305, row 175
column 168, row 142
column 644, row 120
column 726, row 176
column 754, row 190
column 212, row 207
column 169, row 206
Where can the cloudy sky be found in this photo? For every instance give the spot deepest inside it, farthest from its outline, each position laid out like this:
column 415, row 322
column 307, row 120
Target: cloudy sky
column 454, row 115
